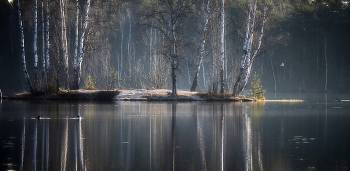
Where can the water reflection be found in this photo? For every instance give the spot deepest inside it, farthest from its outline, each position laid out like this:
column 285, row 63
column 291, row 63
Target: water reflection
column 200, row 138
column 79, row 144
column 174, row 136
column 64, row 139
column 251, row 136
column 35, row 144
column 23, row 140
column 173, row 132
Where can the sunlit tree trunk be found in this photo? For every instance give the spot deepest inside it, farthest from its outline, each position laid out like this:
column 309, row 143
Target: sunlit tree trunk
column 248, row 54
column 201, row 54
column 29, row 83
column 82, row 36
column 64, row 42
column 43, row 73
column 47, row 37
column 121, row 50
column 222, row 49
column 80, row 44
column 75, row 83
column 35, row 42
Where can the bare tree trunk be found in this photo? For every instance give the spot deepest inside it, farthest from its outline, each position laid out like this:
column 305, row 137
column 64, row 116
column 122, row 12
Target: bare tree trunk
column 120, row 69
column 82, row 36
column 222, row 49
column 64, row 42
column 35, row 41
column 237, row 88
column 248, row 57
column 80, row 44
column 47, row 38
column 75, row 83
column 129, row 47
column 174, row 57
column 325, row 58
column 201, row 54
column 174, row 63
column 273, row 71
column 43, row 73
column 29, row 83
column 173, row 78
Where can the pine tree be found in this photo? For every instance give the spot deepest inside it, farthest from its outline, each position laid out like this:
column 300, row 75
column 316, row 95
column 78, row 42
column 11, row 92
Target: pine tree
column 256, row 90
column 89, row 83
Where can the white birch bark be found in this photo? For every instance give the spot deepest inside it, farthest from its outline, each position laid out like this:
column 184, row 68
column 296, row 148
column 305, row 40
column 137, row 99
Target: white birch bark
column 24, row 67
column 252, row 57
column 35, row 41
column 47, row 37
column 202, row 49
column 121, row 51
column 76, row 47
column 85, row 23
column 77, row 69
column 249, row 56
column 43, row 40
column 64, row 42
column 222, row 49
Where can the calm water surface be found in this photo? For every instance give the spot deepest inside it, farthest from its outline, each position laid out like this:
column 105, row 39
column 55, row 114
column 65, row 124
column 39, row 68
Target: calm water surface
column 312, row 135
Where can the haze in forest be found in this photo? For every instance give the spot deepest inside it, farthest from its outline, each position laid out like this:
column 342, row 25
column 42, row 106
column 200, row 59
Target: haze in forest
column 136, row 44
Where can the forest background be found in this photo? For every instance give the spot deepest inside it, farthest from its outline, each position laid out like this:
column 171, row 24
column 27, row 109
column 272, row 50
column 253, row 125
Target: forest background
column 305, row 44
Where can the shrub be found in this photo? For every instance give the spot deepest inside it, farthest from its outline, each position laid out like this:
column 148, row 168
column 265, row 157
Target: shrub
column 89, row 83
column 256, row 90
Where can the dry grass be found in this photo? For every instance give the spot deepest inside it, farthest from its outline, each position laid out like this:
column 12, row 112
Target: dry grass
column 211, row 95
column 286, row 100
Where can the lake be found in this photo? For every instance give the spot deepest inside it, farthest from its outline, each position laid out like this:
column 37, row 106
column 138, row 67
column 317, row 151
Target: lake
column 122, row 135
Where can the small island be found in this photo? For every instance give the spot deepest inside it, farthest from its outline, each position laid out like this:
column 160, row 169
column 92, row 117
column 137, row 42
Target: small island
column 128, row 95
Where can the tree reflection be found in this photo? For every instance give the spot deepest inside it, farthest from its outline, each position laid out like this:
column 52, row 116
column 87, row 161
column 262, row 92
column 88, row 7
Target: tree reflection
column 251, row 136
column 222, row 152
column 23, row 142
column 35, row 144
column 80, row 164
column 173, row 132
column 64, row 146
column 146, row 136
column 200, row 137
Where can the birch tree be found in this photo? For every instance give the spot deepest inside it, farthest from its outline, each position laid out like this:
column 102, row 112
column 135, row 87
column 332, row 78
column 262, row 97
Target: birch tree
column 43, row 42
column 79, row 43
column 250, row 50
column 35, row 42
column 202, row 48
column 47, row 37
column 24, row 67
column 120, row 60
column 64, row 42
column 222, row 48
column 75, row 83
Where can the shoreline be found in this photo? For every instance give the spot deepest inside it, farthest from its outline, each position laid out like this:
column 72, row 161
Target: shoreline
column 126, row 95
